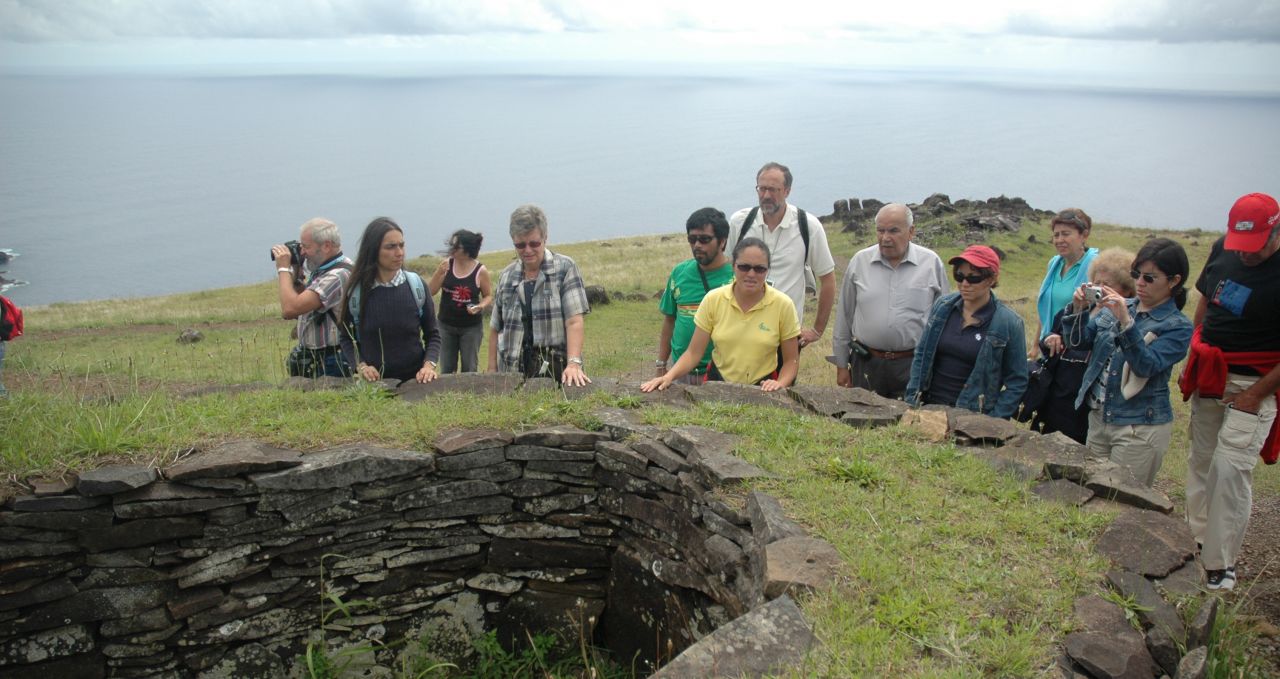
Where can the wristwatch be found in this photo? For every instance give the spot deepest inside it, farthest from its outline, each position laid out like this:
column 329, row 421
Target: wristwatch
column 659, row 363
column 284, row 270
column 576, row 360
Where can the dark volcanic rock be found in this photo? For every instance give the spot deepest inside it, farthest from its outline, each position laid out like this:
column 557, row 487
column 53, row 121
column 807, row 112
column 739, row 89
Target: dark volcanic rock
column 1147, row 542
column 110, row 480
column 768, row 640
column 1064, row 491
column 769, row 522
column 799, row 564
column 341, row 467
column 489, row 384
column 743, row 394
column 1107, row 656
column 232, row 459
column 456, row 442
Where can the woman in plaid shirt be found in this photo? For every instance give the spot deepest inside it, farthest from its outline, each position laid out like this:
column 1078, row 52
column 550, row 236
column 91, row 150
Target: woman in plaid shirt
column 539, row 303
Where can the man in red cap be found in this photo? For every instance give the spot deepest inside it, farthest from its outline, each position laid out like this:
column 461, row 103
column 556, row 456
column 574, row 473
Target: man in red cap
column 1232, row 377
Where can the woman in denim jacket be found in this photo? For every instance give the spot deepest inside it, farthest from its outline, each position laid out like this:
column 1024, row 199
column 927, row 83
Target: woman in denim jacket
column 1135, row 344
column 973, row 352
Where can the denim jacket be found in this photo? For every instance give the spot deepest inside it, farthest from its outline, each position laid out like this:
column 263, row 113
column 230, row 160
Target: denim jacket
column 1153, row 361
column 999, row 375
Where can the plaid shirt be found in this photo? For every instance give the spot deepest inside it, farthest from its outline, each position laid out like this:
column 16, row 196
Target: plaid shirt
column 558, row 294
column 317, row 329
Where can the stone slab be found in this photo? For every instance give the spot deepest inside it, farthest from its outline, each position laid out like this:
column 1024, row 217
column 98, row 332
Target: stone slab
column 485, row 384
column 1113, row 482
column 771, row 639
column 459, row 441
column 231, row 459
column 346, row 465
column 114, row 479
column 560, row 436
column 744, row 394
column 1147, row 543
column 799, row 565
column 769, row 521
column 1063, row 491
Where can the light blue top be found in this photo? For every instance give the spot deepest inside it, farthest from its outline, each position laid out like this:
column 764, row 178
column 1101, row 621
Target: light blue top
column 1056, row 289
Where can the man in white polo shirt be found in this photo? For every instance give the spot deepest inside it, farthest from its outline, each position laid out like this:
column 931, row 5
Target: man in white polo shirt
column 795, row 240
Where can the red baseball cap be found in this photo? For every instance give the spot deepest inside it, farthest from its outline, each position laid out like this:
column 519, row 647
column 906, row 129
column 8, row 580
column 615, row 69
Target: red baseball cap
column 1251, row 221
column 979, row 256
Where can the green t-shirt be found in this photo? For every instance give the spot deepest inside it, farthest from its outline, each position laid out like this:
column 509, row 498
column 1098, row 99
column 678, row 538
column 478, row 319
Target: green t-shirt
column 681, row 299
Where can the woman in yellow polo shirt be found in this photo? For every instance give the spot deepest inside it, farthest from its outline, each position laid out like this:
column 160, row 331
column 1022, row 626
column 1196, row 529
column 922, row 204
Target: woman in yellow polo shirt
column 749, row 322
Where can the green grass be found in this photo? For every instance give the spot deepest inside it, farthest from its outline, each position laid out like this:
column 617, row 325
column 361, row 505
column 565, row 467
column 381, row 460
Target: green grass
column 950, row 568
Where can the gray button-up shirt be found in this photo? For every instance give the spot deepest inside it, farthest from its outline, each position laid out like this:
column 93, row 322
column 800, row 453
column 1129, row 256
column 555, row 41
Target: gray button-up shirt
column 885, row 307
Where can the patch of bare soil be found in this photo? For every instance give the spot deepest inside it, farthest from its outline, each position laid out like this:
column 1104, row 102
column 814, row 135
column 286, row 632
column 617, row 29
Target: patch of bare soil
column 1258, row 568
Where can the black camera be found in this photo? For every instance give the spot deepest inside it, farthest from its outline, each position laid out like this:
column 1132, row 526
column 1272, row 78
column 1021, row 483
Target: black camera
column 295, row 252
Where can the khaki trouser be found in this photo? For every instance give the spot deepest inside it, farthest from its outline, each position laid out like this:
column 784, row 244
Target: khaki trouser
column 1225, row 443
column 1140, row 447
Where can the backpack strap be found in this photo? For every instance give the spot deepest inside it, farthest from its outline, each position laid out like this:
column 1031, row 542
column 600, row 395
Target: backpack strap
column 419, row 290
column 746, row 224
column 804, row 228
column 804, row 233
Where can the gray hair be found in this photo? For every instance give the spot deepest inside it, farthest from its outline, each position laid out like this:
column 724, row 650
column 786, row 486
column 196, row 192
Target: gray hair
column 911, row 218
column 786, row 172
column 322, row 231
column 526, row 218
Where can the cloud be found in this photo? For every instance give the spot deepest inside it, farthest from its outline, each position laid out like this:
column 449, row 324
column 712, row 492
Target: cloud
column 39, row 21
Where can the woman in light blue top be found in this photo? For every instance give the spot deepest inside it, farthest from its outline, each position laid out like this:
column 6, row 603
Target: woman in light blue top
column 1067, row 270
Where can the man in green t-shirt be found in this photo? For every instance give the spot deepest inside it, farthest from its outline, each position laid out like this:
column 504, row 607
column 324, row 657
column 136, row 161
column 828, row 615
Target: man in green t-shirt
column 690, row 281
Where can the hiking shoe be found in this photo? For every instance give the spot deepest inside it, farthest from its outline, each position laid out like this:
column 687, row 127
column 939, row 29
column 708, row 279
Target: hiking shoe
column 1223, row 579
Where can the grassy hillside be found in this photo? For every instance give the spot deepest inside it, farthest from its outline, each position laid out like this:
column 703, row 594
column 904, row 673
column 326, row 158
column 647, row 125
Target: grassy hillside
column 951, row 570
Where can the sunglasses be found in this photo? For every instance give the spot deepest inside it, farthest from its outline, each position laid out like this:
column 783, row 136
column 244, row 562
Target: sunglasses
column 972, row 279
column 1148, row 277
column 700, row 238
column 748, row 268
column 532, row 245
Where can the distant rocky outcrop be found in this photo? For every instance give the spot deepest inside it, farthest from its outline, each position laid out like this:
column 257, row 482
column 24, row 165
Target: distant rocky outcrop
column 938, row 220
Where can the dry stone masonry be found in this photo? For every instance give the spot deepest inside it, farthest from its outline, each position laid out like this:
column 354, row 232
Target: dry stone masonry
column 212, row 567
column 639, row 538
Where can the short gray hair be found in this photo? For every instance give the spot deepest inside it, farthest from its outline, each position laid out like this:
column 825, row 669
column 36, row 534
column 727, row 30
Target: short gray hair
column 911, row 218
column 786, row 172
column 322, row 231
column 526, row 218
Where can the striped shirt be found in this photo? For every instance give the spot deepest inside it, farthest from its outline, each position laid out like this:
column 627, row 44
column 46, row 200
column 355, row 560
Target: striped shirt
column 319, row 329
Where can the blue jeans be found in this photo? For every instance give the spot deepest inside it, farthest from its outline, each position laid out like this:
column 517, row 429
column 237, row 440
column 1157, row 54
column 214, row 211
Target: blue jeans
column 460, row 342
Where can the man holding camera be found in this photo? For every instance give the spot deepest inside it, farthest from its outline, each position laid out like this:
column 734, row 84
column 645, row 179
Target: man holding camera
column 315, row 302
column 885, row 299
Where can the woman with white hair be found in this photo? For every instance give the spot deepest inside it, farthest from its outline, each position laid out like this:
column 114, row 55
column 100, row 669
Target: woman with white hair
column 539, row 303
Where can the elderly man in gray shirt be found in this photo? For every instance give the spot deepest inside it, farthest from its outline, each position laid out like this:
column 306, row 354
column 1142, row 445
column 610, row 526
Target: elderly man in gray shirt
column 884, row 302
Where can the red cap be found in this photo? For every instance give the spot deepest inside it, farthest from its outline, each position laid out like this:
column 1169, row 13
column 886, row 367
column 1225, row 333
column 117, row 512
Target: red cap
column 1251, row 221
column 980, row 256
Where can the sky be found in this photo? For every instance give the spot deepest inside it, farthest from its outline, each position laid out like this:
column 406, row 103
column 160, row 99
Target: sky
column 1229, row 45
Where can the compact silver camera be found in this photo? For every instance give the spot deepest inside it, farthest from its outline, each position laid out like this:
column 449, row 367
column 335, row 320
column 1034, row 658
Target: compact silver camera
column 1093, row 294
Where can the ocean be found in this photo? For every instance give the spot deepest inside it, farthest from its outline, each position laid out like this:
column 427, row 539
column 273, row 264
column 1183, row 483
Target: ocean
column 119, row 186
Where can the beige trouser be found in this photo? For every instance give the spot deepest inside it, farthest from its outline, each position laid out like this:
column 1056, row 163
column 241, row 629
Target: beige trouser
column 1140, row 447
column 1225, row 443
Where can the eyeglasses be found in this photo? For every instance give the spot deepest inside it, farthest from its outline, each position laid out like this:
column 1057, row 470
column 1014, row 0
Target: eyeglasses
column 1148, row 277
column 532, row 245
column 700, row 238
column 748, row 268
column 770, row 189
column 972, row 279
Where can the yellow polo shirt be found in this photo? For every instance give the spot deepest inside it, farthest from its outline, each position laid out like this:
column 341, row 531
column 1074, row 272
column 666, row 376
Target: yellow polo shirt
column 746, row 342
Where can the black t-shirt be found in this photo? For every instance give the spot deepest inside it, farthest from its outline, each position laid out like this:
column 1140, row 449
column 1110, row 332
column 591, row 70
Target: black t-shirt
column 1244, row 302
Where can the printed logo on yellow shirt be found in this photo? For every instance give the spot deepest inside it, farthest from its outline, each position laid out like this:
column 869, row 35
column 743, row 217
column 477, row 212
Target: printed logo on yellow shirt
column 764, row 328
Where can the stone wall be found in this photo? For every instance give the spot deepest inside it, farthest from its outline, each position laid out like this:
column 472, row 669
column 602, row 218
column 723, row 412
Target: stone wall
column 212, row 567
